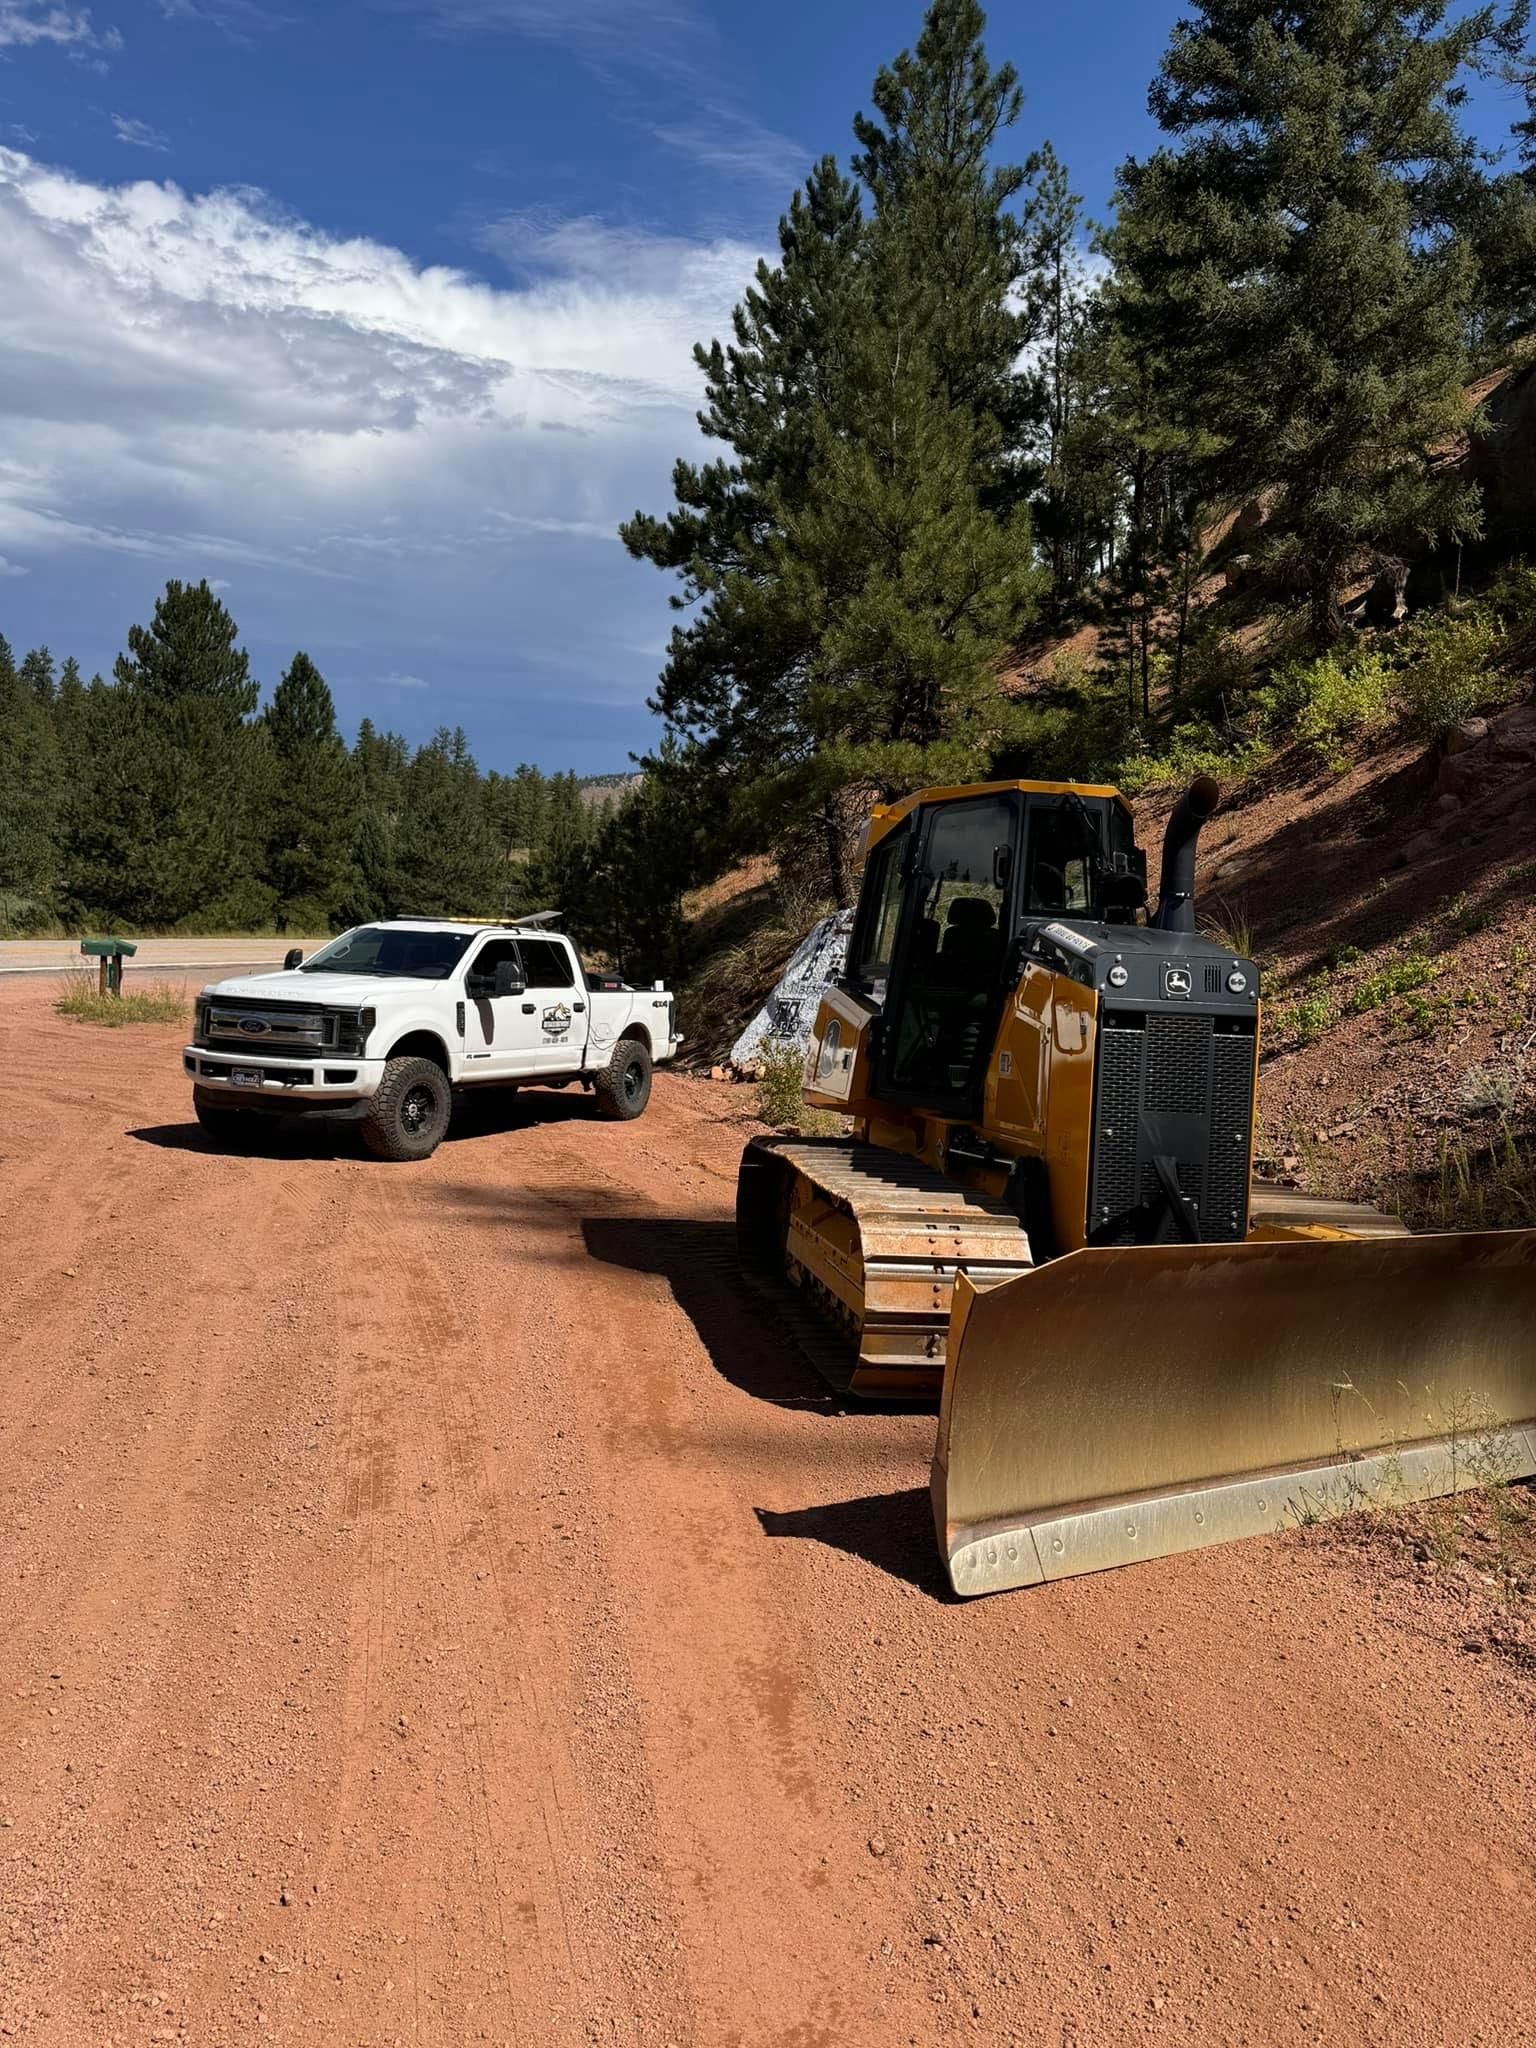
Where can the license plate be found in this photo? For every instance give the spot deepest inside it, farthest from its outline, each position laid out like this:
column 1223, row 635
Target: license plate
column 245, row 1077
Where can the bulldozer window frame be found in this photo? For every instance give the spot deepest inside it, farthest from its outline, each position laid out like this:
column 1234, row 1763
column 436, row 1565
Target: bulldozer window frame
column 877, row 927
column 1027, row 822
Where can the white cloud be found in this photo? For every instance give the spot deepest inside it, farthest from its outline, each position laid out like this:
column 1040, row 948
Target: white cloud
column 724, row 140
column 397, row 681
column 138, row 134
column 11, row 568
column 668, row 43
column 233, row 16
column 26, row 24
column 411, row 463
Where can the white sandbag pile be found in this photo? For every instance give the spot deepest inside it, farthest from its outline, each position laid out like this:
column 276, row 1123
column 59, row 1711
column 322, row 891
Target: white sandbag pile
column 788, row 1016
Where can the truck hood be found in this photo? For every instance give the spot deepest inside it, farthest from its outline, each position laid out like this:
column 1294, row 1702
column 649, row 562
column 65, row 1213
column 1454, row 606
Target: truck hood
column 344, row 991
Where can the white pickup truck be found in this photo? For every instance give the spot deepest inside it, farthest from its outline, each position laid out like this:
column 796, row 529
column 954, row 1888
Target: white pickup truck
column 387, row 1022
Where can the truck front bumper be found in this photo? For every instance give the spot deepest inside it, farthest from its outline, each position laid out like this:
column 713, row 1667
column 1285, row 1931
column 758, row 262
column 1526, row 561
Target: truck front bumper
column 280, row 1087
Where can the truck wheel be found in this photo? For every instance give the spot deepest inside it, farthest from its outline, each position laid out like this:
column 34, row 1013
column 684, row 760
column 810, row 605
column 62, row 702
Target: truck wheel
column 224, row 1128
column 408, row 1117
column 624, row 1086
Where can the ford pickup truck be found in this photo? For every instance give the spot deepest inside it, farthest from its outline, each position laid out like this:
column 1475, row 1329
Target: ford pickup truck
column 390, row 1021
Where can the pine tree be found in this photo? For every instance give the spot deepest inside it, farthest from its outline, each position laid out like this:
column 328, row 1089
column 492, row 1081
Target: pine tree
column 1296, row 271
column 36, row 674
column 312, row 818
column 446, row 858
column 30, row 791
column 169, row 828
column 188, row 652
column 1061, row 302
column 863, row 562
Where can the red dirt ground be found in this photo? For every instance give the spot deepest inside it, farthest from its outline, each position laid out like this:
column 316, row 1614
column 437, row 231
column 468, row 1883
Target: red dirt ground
column 436, row 1611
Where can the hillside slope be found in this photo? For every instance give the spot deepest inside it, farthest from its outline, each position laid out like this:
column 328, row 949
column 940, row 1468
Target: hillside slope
column 1393, row 908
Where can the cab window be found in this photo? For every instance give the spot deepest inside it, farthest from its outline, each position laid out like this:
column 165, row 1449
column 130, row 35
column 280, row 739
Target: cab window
column 880, row 901
column 951, row 985
column 546, row 964
column 493, row 954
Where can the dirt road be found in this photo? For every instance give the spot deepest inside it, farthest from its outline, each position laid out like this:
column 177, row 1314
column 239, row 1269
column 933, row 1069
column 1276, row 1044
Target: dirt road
column 434, row 1611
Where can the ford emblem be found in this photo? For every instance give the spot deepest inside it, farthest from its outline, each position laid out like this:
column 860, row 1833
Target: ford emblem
column 254, row 1026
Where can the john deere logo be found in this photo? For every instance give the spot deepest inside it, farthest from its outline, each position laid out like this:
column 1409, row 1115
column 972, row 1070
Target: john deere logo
column 557, row 1020
column 1177, row 981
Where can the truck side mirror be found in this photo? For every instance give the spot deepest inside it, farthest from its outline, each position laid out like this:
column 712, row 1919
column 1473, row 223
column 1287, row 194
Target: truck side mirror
column 508, row 981
column 294, row 957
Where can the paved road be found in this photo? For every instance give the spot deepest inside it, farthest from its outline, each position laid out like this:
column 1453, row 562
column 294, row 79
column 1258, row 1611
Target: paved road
column 54, row 956
column 437, row 1610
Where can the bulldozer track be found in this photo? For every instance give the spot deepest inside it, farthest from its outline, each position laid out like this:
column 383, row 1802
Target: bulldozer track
column 885, row 1278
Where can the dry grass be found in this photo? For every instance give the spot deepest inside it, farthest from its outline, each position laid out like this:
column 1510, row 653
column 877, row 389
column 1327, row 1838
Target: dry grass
column 159, row 1002
column 738, row 947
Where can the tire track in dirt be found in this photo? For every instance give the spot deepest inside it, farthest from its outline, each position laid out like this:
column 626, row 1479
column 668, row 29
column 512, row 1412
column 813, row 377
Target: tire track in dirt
column 694, row 1750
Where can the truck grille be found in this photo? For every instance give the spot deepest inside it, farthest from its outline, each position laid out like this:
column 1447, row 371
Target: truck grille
column 241, row 1024
column 1180, row 1085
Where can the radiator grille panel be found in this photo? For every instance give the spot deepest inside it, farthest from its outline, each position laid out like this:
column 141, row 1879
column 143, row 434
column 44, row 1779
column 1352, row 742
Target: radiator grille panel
column 1172, row 1083
column 1178, row 1065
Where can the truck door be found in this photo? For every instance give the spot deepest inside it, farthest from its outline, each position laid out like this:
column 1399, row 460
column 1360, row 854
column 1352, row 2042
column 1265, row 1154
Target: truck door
column 502, row 1035
column 560, row 1003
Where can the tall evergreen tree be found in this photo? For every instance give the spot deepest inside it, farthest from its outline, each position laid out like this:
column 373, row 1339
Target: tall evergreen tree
column 37, row 675
column 169, row 829
column 30, row 793
column 446, row 857
column 1295, row 267
column 862, row 562
column 1061, row 301
column 312, row 817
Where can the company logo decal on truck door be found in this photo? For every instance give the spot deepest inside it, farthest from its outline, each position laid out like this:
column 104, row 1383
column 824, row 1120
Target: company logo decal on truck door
column 557, row 1020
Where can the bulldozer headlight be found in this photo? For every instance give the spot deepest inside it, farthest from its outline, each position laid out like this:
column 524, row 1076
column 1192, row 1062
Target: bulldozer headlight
column 1237, row 982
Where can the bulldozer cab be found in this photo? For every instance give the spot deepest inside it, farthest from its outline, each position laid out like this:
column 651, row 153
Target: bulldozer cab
column 947, row 894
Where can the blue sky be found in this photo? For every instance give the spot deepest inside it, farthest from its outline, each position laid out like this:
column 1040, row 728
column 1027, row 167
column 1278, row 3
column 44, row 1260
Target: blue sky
column 378, row 312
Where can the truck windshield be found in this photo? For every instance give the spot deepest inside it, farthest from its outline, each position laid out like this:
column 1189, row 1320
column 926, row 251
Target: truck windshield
column 375, row 949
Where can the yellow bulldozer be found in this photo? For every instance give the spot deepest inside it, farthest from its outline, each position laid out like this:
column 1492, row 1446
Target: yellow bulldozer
column 1045, row 1215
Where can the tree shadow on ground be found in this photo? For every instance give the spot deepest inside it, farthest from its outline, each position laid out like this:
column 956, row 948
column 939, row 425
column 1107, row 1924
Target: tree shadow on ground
column 1330, row 871
column 891, row 1531
column 753, row 1344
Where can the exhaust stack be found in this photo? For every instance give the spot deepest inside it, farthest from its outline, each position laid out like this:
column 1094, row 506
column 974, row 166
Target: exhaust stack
column 1176, row 885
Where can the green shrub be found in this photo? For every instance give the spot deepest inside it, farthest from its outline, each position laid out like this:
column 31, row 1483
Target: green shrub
column 1193, row 750
column 780, row 1071
column 1415, row 970
column 246, row 906
column 1308, row 1018
column 1341, row 694
column 1512, row 597
column 1447, row 669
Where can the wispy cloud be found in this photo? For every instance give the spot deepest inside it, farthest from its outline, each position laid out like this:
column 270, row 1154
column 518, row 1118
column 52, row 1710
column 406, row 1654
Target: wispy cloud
column 396, row 681
column 138, row 134
column 11, row 568
column 26, row 24
column 721, row 139
column 240, row 20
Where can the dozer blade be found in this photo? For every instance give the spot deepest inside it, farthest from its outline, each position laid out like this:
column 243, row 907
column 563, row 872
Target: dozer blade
column 1128, row 1403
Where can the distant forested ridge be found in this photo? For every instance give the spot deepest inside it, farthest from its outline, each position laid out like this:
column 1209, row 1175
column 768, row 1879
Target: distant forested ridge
column 167, row 798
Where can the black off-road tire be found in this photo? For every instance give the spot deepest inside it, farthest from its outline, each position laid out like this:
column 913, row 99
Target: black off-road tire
column 226, row 1129
column 623, row 1088
column 408, row 1118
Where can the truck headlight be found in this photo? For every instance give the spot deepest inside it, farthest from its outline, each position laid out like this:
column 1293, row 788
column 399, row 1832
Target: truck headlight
column 352, row 1029
column 200, row 1019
